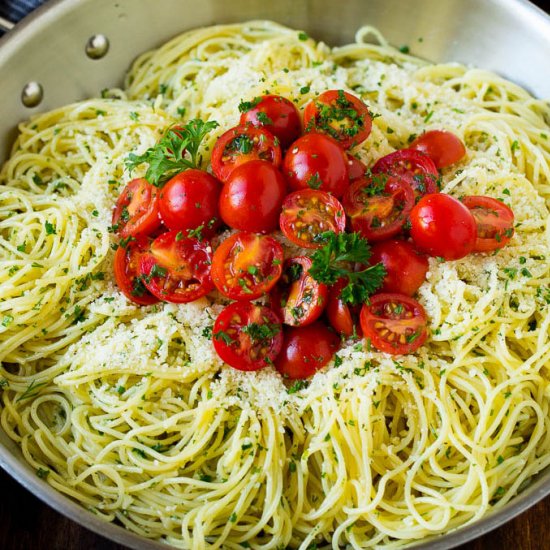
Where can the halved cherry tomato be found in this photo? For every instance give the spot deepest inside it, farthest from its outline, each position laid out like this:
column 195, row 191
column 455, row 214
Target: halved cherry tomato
column 340, row 115
column 412, row 167
column 394, row 323
column 252, row 197
column 317, row 161
column 190, row 200
column 442, row 226
column 343, row 317
column 298, row 298
column 177, row 268
column 308, row 213
column 276, row 114
column 356, row 169
column 136, row 211
column 405, row 267
column 306, row 350
column 127, row 273
column 443, row 147
column 378, row 207
column 494, row 220
column 243, row 144
column 247, row 265
column 247, row 336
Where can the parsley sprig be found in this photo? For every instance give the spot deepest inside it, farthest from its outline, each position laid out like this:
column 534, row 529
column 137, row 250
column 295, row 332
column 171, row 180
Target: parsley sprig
column 177, row 150
column 335, row 260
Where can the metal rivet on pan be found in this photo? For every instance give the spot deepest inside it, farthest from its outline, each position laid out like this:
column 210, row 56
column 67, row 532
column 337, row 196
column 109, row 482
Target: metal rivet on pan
column 32, row 94
column 97, row 46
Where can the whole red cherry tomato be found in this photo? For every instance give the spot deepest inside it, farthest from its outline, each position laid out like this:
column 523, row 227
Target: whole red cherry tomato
column 343, row 317
column 405, row 267
column 443, row 147
column 442, row 226
column 251, row 199
column 190, row 200
column 306, row 350
column 276, row 114
column 316, row 161
column 340, row 115
column 356, row 169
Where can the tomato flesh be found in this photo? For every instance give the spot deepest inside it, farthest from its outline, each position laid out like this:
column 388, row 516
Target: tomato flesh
column 442, row 226
column 308, row 213
column 247, row 336
column 341, row 115
column 394, row 323
column 494, row 221
column 378, row 207
column 298, row 298
column 242, row 144
column 276, row 114
column 306, row 350
column 246, row 265
column 444, row 148
column 136, row 211
column 177, row 268
column 356, row 169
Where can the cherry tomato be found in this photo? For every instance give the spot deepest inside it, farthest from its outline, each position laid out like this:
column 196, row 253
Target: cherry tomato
column 443, row 147
column 307, row 213
column 356, row 169
column 241, row 145
column 340, row 115
column 177, row 268
column 343, row 317
column 136, row 211
column 276, row 114
column 394, row 323
column 442, row 226
column 190, row 200
column 306, row 350
column 378, row 207
column 494, row 220
column 251, row 199
column 405, row 268
column 127, row 273
column 247, row 336
column 247, row 265
column 316, row 161
column 298, row 298
column 412, row 167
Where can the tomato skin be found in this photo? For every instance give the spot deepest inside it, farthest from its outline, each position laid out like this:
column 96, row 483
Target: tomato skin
column 330, row 113
column 189, row 200
column 394, row 323
column 316, row 161
column 405, row 268
column 412, row 167
column 442, row 226
column 306, row 350
column 307, row 213
column 136, row 211
column 356, row 169
column 280, row 118
column 237, row 346
column 376, row 209
column 494, row 221
column 251, row 199
column 444, row 148
column 246, row 266
column 177, row 268
column 243, row 144
column 127, row 273
column 298, row 299
column 342, row 317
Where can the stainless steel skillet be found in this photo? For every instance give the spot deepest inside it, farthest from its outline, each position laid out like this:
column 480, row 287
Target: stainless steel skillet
column 72, row 49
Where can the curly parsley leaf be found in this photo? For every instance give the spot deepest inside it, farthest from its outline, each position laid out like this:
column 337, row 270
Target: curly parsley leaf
column 336, row 259
column 177, row 150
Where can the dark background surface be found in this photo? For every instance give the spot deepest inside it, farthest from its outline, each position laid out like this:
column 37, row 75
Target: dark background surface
column 27, row 523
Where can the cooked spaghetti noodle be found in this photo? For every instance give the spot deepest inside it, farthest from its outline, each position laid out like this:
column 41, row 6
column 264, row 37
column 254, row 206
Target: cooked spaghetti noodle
column 129, row 411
